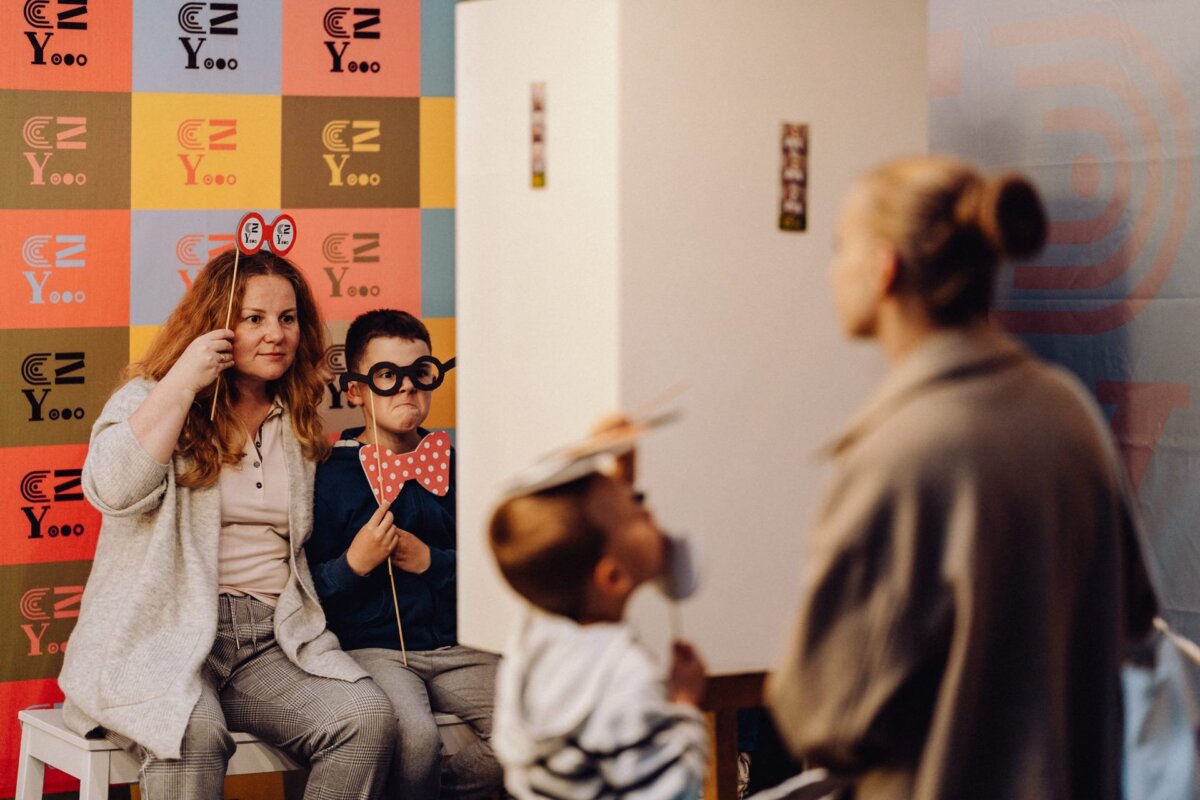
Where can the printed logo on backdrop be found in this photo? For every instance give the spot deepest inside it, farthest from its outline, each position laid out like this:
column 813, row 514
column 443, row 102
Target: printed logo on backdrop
column 336, row 412
column 65, row 150
column 67, row 269
column 210, row 139
column 1114, row 158
column 46, row 515
column 42, row 489
column 46, row 255
column 40, row 604
column 341, row 252
column 343, row 49
column 346, row 152
column 213, row 46
column 205, row 151
column 57, row 380
column 360, row 259
column 343, row 137
column 44, row 371
column 45, row 21
column 208, row 20
column 67, row 45
column 46, row 135
column 169, row 250
column 346, row 26
column 335, row 362
column 194, row 250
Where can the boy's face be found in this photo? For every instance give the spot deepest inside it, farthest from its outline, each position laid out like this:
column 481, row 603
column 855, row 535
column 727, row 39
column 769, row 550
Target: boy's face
column 635, row 541
column 404, row 411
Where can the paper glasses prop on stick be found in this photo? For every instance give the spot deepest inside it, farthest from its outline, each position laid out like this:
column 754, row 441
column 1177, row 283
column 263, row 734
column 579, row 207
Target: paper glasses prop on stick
column 252, row 232
column 386, row 378
column 428, row 465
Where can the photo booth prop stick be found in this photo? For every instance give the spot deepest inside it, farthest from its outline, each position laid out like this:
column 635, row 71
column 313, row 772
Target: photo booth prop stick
column 379, row 494
column 252, row 232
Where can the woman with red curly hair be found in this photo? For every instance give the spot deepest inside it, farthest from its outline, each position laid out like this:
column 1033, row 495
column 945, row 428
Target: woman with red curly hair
column 200, row 615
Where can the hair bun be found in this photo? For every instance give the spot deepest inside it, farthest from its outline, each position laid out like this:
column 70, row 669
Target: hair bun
column 1012, row 216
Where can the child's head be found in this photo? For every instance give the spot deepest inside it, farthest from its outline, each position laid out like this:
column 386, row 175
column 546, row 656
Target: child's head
column 579, row 549
column 380, row 346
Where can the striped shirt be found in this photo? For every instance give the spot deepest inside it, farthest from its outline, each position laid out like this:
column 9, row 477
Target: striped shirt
column 582, row 713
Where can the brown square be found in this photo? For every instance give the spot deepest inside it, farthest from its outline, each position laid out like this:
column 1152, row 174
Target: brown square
column 351, row 152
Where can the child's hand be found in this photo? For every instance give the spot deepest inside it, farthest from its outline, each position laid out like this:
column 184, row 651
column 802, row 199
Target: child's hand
column 373, row 542
column 686, row 681
column 613, row 425
column 410, row 554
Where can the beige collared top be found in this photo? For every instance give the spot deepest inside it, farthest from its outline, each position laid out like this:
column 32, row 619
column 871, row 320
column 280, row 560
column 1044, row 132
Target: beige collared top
column 253, row 551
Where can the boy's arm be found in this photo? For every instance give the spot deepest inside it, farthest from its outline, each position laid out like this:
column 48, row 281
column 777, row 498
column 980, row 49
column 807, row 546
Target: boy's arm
column 327, row 552
column 338, row 559
column 420, row 555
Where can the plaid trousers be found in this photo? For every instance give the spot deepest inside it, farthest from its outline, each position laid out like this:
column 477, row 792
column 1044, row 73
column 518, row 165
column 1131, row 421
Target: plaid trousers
column 344, row 731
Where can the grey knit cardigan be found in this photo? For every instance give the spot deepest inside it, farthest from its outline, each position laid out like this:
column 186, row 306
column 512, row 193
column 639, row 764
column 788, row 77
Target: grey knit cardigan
column 149, row 611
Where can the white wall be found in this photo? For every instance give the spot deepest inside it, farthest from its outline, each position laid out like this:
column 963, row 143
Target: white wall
column 654, row 256
column 536, row 280
column 714, row 294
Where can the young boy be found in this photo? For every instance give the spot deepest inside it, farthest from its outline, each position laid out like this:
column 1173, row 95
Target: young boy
column 580, row 709
column 391, row 377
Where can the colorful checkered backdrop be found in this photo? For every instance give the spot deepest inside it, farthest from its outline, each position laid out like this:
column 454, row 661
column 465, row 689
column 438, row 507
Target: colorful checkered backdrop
column 133, row 136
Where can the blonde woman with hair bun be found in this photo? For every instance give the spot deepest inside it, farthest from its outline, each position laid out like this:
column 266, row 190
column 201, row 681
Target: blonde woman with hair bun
column 972, row 577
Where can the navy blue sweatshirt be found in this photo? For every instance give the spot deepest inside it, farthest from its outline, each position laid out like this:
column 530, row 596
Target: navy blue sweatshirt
column 359, row 608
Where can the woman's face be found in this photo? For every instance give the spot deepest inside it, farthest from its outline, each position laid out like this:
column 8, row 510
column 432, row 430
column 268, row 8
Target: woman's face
column 856, row 271
column 267, row 329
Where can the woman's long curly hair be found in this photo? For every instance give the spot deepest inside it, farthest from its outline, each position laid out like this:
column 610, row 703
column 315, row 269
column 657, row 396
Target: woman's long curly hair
column 207, row 445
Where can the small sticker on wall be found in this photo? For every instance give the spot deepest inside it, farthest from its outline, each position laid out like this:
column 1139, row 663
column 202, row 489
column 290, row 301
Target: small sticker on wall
column 793, row 202
column 537, row 133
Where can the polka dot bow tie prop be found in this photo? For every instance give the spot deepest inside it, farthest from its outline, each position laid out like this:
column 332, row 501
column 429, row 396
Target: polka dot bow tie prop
column 428, row 465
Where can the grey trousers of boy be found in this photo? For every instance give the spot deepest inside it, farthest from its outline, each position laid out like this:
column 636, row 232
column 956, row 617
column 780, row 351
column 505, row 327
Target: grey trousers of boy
column 344, row 731
column 450, row 680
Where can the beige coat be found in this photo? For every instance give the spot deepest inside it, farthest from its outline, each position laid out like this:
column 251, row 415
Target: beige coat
column 149, row 612
column 961, row 622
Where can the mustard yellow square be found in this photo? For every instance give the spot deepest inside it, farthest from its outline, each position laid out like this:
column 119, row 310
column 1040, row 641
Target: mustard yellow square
column 140, row 337
column 443, row 412
column 437, row 152
column 205, row 151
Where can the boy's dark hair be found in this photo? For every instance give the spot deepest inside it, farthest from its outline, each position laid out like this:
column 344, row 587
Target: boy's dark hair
column 382, row 322
column 547, row 545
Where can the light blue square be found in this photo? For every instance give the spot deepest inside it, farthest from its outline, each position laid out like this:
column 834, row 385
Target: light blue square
column 437, row 48
column 233, row 47
column 437, row 262
column 167, row 251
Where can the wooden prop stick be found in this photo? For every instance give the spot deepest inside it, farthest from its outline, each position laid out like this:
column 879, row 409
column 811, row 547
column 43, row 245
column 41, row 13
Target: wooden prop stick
column 676, row 622
column 237, row 251
column 391, row 575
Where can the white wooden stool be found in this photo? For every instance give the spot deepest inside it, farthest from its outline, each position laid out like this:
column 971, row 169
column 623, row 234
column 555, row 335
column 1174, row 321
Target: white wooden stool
column 98, row 763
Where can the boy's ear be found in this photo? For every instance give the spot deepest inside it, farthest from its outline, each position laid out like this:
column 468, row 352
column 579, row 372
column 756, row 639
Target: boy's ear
column 354, row 395
column 610, row 578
